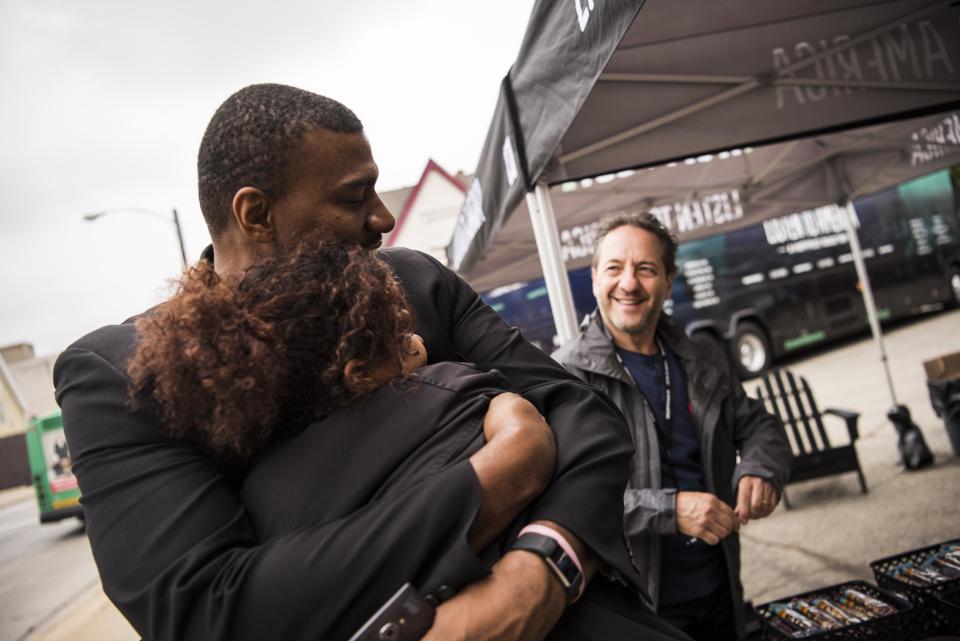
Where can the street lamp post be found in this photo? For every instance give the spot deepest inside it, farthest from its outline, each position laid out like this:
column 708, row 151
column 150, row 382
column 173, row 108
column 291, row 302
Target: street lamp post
column 92, row 216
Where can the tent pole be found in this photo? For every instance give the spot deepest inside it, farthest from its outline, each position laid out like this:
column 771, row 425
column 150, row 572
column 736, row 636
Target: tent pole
column 849, row 215
column 551, row 260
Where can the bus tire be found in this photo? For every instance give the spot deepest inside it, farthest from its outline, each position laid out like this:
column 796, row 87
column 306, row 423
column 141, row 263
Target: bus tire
column 752, row 355
column 954, row 275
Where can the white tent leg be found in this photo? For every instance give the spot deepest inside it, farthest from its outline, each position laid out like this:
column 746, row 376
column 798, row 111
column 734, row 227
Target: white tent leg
column 551, row 260
column 867, row 291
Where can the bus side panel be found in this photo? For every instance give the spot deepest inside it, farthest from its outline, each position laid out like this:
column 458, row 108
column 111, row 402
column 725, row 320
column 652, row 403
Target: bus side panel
column 526, row 306
column 794, row 275
column 58, row 495
column 799, row 294
column 913, row 230
column 38, row 476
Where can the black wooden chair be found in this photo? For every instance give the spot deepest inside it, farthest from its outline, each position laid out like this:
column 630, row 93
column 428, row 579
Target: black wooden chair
column 814, row 455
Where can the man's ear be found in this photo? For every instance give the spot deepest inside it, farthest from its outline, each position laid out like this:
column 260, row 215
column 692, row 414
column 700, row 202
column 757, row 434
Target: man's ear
column 251, row 211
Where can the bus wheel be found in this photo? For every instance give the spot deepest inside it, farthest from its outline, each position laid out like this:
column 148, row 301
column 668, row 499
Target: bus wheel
column 751, row 350
column 955, row 283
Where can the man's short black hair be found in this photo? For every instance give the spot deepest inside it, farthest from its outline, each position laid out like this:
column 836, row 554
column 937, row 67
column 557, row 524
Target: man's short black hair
column 251, row 138
column 645, row 221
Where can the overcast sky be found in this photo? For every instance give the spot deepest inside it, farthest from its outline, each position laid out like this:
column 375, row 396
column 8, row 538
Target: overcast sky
column 104, row 104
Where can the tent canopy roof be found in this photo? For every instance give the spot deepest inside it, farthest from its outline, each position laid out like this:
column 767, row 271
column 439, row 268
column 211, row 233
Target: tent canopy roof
column 599, row 88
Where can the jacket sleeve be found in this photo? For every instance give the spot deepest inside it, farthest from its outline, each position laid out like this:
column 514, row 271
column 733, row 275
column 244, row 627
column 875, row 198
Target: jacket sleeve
column 593, row 445
column 761, row 440
column 648, row 511
column 178, row 556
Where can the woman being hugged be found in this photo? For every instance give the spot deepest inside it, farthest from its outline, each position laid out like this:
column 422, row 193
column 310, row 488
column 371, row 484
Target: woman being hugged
column 303, row 379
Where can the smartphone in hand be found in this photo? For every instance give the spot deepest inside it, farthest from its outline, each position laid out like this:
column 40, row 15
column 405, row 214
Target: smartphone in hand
column 406, row 616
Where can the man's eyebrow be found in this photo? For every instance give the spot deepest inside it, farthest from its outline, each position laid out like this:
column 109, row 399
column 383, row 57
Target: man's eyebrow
column 359, row 183
column 620, row 261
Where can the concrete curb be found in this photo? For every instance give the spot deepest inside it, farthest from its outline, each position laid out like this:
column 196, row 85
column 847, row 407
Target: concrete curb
column 89, row 616
column 14, row 495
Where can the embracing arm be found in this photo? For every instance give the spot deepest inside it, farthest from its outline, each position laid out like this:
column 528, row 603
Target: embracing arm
column 521, row 600
column 177, row 553
column 513, row 467
column 593, row 445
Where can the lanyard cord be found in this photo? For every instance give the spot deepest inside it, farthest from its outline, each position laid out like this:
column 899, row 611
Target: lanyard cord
column 664, row 433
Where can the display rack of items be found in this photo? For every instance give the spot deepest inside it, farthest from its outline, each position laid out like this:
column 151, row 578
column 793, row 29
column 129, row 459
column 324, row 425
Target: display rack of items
column 854, row 610
column 930, row 578
column 949, row 603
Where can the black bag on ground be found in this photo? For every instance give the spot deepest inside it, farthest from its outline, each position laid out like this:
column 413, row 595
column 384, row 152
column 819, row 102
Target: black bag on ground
column 914, row 452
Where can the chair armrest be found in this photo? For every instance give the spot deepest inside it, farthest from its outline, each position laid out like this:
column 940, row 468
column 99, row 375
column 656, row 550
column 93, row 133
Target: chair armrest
column 851, row 419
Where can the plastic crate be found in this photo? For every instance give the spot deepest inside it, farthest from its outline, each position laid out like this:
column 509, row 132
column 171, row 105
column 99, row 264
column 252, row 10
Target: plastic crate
column 891, row 627
column 949, row 604
column 932, row 614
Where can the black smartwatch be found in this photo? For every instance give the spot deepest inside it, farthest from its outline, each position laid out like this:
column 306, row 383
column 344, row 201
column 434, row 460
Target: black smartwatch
column 556, row 559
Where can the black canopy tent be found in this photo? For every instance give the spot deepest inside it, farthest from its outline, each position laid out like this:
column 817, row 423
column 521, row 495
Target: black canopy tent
column 716, row 193
column 713, row 194
column 605, row 86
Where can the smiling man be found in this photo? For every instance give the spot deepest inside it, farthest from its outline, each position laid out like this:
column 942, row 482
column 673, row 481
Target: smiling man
column 690, row 421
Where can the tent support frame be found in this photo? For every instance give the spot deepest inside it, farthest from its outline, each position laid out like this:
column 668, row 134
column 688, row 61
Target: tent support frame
column 545, row 232
column 849, row 215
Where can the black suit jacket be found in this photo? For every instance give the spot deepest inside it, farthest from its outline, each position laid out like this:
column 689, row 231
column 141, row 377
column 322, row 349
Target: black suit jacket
column 406, row 436
column 174, row 545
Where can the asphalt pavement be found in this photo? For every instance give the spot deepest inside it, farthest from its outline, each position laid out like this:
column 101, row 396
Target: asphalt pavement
column 832, row 532
column 44, row 569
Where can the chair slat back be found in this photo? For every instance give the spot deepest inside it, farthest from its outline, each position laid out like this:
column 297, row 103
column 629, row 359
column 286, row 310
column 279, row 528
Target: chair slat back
column 785, row 399
column 796, row 408
column 770, row 399
column 804, row 417
column 815, row 413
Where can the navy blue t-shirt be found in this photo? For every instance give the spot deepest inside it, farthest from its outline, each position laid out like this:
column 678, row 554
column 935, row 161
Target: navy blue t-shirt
column 686, row 571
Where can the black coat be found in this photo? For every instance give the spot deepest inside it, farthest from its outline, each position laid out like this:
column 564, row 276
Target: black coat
column 179, row 556
column 404, row 437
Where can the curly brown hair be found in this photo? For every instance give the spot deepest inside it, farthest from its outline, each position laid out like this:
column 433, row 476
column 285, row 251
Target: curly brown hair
column 230, row 363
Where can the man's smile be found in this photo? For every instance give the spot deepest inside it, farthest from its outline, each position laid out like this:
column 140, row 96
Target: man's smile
column 629, row 301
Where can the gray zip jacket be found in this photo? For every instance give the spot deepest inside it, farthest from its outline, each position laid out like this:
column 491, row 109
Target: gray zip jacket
column 730, row 424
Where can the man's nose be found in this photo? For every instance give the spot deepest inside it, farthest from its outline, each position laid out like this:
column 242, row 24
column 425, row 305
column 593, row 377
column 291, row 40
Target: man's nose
column 628, row 281
column 379, row 219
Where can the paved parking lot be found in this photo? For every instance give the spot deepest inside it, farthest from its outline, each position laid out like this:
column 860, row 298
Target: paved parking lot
column 833, row 531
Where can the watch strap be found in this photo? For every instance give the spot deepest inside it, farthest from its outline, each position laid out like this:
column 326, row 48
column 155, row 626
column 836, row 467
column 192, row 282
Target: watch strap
column 565, row 567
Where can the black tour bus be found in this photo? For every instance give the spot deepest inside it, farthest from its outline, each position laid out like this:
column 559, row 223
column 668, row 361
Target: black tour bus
column 789, row 282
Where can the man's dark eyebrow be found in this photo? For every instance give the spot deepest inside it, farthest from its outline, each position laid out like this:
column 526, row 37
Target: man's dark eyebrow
column 359, row 183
